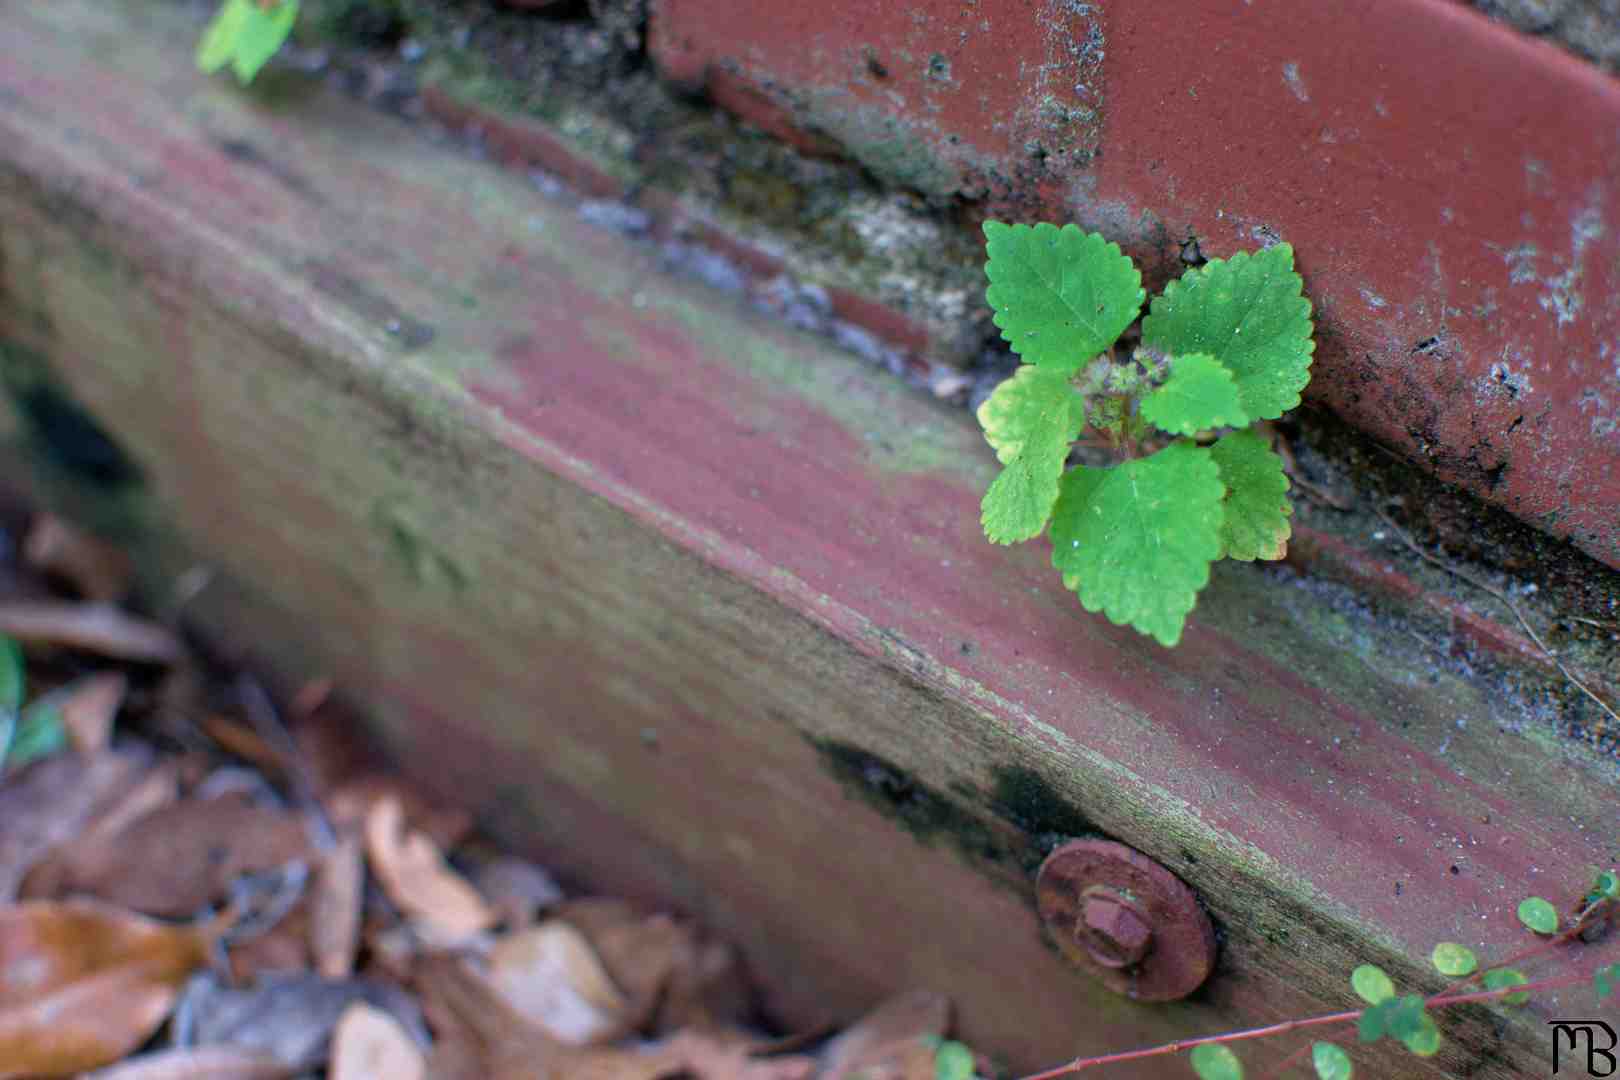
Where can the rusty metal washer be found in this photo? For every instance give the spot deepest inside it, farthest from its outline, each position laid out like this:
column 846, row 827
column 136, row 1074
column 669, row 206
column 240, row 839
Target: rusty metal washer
column 1126, row 919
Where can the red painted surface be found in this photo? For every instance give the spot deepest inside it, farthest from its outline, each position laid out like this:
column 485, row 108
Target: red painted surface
column 1452, row 189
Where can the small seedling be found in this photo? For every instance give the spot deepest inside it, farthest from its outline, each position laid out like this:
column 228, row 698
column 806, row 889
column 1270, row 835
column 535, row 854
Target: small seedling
column 1226, row 346
column 245, row 34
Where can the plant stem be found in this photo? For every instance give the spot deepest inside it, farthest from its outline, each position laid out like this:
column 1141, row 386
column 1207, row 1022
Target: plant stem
column 1440, row 1000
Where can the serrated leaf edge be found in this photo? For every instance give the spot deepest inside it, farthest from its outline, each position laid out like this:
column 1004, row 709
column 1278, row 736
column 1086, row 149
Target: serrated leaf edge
column 1173, row 289
column 991, row 228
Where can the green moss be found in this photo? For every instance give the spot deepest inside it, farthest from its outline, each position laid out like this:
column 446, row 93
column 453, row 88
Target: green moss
column 928, row 814
column 1024, row 798
column 425, row 563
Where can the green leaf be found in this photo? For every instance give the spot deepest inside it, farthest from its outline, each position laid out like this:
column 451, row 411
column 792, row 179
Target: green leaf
column 1605, row 980
column 1371, row 1026
column 1246, row 312
column 1060, row 296
column 1030, row 420
column 1371, row 984
column 1402, row 1018
column 1502, row 978
column 953, row 1061
column 1200, row 394
column 1257, row 510
column 1607, row 885
column 261, row 35
column 1212, row 1061
column 40, row 733
column 1538, row 915
column 1452, row 959
column 1136, row 540
column 1425, row 1041
column 1406, row 1016
column 13, row 684
column 1331, row 1062
column 224, row 30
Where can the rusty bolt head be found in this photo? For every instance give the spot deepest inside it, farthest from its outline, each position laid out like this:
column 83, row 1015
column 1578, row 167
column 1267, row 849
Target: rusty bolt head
column 1111, row 928
column 1128, row 920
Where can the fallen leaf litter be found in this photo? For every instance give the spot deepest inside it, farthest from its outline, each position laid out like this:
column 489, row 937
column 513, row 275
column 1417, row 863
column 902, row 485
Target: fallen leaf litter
column 192, row 888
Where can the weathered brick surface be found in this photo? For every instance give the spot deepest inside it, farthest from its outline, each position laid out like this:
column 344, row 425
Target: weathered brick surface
column 1449, row 186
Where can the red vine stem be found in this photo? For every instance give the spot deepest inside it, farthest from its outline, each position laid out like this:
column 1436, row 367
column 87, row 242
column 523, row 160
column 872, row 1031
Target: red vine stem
column 1440, row 1000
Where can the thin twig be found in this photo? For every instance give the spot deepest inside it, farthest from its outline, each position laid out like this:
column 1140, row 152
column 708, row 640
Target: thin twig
column 267, row 725
column 1282, row 1065
column 1599, row 623
column 1524, row 623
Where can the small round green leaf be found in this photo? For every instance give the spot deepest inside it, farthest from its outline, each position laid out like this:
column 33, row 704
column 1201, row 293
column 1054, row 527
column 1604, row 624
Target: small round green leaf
column 1608, row 885
column 1331, row 1062
column 12, row 688
column 1606, row 980
column 1371, row 984
column 1452, row 959
column 1538, row 915
column 1424, row 1042
column 1212, row 1061
column 1502, row 978
column 953, row 1061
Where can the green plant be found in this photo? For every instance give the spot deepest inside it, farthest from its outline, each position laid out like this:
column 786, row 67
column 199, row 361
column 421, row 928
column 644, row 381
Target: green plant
column 1408, row 1018
column 953, row 1061
column 25, row 733
column 1226, row 346
column 245, row 34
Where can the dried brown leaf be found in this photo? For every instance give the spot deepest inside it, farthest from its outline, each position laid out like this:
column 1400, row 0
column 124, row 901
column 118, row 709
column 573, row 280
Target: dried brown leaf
column 419, row 881
column 291, row 1016
column 884, row 1043
column 370, row 1045
column 89, row 708
column 201, row 1063
column 175, row 861
column 479, row 1035
column 83, row 984
column 335, row 908
column 98, row 570
column 243, row 742
column 662, row 966
column 351, row 803
column 97, row 628
column 516, row 888
column 642, row 954
column 160, row 787
column 550, row 975
column 278, row 950
column 707, row 991
column 51, row 801
column 707, row 1057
